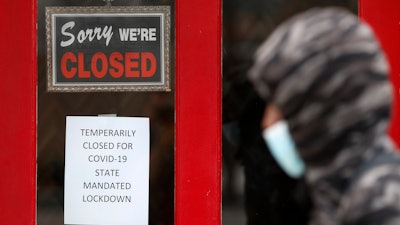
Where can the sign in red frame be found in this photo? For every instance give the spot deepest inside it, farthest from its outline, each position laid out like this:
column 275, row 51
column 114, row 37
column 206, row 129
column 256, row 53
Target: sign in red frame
column 198, row 112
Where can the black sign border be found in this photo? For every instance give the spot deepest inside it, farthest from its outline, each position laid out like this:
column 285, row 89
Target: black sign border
column 111, row 87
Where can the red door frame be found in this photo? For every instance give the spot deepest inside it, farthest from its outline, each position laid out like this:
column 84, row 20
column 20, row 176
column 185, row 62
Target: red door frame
column 198, row 155
column 198, row 112
column 18, row 112
column 384, row 18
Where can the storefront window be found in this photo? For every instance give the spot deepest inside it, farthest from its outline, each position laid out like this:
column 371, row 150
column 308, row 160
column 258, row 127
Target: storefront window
column 54, row 107
column 255, row 190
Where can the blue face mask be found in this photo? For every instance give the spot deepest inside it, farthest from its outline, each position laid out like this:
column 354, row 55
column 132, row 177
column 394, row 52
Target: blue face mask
column 283, row 149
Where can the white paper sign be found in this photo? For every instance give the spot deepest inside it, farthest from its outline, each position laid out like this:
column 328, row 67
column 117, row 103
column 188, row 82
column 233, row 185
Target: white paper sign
column 106, row 170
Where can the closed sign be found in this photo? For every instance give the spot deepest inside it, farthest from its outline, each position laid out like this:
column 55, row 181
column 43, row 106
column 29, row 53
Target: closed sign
column 108, row 48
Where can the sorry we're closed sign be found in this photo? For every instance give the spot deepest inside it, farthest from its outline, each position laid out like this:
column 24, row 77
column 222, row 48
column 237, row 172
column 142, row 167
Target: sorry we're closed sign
column 109, row 48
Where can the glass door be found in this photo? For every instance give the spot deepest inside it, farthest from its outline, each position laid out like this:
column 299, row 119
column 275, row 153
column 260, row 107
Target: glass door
column 188, row 118
column 96, row 69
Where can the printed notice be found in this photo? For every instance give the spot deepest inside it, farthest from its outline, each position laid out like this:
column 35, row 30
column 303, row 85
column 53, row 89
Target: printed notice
column 106, row 170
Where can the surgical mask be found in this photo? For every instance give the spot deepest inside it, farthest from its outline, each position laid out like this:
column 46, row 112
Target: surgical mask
column 283, row 149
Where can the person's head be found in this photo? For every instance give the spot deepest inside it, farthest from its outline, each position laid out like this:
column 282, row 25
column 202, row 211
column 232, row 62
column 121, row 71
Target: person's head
column 323, row 71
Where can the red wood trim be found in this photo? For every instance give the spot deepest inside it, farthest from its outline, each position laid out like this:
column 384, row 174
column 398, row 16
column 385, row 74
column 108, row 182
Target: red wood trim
column 198, row 101
column 198, row 111
column 18, row 112
column 384, row 17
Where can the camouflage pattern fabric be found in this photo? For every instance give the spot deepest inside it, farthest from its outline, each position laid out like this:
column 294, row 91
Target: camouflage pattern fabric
column 327, row 73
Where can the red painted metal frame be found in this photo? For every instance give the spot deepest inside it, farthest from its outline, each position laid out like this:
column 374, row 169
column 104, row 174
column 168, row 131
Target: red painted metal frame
column 18, row 112
column 384, row 17
column 198, row 112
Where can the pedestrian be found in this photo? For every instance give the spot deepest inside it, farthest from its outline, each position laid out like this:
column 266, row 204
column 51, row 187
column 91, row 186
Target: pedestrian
column 325, row 79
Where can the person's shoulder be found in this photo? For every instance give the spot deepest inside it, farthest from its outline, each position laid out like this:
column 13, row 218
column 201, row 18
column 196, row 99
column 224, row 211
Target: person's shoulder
column 374, row 195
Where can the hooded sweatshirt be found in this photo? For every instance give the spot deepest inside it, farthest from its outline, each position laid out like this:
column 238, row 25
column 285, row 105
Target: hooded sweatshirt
column 326, row 72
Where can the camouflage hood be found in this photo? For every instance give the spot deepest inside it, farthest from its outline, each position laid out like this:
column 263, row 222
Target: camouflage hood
column 326, row 72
